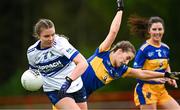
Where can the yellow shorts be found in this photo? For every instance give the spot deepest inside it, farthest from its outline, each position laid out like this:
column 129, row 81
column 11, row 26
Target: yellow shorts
column 150, row 93
column 54, row 108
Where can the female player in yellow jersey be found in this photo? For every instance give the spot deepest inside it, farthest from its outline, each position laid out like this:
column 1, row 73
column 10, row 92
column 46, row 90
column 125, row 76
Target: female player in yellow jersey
column 107, row 64
column 153, row 55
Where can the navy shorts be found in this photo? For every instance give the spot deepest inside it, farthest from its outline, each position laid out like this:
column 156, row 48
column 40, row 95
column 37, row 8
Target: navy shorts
column 79, row 96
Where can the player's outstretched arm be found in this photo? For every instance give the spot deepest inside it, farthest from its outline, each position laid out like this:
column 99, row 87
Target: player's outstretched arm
column 147, row 74
column 114, row 28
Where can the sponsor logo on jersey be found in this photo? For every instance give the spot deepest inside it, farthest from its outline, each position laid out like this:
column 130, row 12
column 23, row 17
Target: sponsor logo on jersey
column 159, row 53
column 48, row 67
column 69, row 50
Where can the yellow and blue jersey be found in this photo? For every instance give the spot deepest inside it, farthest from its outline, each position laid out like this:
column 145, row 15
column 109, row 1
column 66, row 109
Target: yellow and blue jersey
column 155, row 58
column 150, row 57
column 101, row 71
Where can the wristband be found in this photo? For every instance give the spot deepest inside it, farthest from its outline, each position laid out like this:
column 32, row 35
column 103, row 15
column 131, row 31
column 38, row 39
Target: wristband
column 68, row 79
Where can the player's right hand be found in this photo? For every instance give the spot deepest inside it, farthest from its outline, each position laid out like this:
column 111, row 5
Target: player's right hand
column 65, row 86
column 172, row 75
column 120, row 5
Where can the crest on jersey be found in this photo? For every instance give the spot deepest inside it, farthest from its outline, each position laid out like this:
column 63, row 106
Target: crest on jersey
column 105, row 78
column 148, row 95
column 150, row 54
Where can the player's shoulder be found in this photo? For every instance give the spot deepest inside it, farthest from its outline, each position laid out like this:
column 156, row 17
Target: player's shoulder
column 165, row 45
column 32, row 47
column 144, row 46
column 61, row 38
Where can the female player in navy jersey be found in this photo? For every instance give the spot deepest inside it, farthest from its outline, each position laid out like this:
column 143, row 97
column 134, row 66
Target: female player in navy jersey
column 152, row 55
column 61, row 66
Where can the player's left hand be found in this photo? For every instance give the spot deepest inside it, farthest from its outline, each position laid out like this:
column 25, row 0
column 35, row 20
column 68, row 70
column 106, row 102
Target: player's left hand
column 172, row 75
column 120, row 5
column 65, row 86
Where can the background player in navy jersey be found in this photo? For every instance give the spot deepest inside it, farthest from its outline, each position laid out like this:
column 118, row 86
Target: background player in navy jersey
column 61, row 66
column 152, row 55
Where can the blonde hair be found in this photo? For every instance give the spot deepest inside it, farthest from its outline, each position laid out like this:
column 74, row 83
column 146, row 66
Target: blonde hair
column 40, row 25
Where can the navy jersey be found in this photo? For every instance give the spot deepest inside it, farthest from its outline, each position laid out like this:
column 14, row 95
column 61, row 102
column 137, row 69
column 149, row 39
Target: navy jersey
column 153, row 58
column 100, row 71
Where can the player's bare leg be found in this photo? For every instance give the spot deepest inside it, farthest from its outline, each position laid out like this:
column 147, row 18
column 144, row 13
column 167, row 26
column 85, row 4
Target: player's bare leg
column 83, row 105
column 67, row 103
column 170, row 105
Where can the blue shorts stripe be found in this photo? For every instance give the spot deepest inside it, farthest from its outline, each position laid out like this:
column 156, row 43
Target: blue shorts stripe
column 140, row 94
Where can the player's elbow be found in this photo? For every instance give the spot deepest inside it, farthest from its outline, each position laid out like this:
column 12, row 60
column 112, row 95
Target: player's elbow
column 85, row 64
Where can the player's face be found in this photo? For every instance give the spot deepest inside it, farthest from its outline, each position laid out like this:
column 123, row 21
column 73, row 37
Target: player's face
column 47, row 37
column 123, row 57
column 156, row 32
